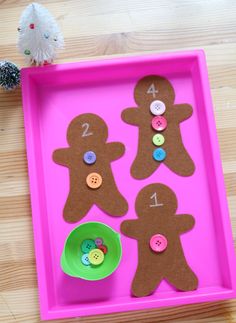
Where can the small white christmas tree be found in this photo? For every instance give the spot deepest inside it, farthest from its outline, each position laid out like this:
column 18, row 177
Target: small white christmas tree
column 39, row 35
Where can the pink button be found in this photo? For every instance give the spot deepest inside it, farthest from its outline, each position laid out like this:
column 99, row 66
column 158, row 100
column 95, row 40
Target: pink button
column 159, row 123
column 158, row 243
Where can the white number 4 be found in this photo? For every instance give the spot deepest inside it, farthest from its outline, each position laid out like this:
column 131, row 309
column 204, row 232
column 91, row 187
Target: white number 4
column 155, row 204
column 152, row 90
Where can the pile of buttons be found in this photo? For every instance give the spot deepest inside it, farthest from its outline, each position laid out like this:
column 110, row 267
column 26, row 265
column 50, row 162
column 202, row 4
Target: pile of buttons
column 159, row 123
column 93, row 180
column 93, row 252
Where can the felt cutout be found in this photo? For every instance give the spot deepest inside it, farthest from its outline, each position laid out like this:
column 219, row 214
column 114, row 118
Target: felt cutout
column 147, row 90
column 155, row 206
column 88, row 132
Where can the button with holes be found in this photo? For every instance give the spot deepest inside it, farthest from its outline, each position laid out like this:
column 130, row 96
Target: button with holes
column 103, row 248
column 90, row 157
column 85, row 260
column 159, row 154
column 158, row 139
column 87, row 245
column 94, row 180
column 158, row 243
column 98, row 241
column 96, row 257
column 159, row 123
column 157, row 107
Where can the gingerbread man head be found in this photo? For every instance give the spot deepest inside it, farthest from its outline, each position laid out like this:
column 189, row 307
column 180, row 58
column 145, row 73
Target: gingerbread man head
column 155, row 200
column 86, row 129
column 152, row 88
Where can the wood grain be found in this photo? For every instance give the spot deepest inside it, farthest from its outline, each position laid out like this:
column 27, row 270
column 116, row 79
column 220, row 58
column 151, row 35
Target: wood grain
column 94, row 28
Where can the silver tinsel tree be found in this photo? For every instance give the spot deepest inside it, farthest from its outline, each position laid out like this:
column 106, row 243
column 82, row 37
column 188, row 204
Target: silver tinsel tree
column 9, row 75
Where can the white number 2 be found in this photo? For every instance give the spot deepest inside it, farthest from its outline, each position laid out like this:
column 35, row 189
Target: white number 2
column 155, row 204
column 152, row 90
column 86, row 132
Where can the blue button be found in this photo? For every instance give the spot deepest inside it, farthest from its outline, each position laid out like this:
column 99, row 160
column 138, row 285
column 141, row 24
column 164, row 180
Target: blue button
column 90, row 157
column 87, row 245
column 159, row 154
column 85, row 260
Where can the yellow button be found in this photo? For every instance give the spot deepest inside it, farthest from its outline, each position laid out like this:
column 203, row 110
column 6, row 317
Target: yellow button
column 94, row 180
column 96, row 257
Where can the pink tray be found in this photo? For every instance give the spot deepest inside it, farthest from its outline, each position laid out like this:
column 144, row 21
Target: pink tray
column 52, row 97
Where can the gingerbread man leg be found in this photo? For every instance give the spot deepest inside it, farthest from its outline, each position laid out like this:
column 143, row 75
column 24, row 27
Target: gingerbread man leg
column 113, row 202
column 139, row 169
column 144, row 166
column 147, row 278
column 182, row 277
column 185, row 165
column 75, row 209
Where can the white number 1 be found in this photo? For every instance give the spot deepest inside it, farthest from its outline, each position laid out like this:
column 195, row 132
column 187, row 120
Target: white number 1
column 154, row 197
column 152, row 90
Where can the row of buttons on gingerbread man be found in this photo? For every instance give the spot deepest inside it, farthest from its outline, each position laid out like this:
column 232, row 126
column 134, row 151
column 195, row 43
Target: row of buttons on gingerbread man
column 159, row 123
column 93, row 180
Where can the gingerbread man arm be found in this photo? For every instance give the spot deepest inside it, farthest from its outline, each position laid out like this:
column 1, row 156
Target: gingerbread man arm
column 62, row 156
column 115, row 150
column 184, row 222
column 131, row 228
column 131, row 116
column 183, row 111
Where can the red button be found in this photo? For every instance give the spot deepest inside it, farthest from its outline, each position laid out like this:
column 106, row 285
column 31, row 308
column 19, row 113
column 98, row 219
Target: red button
column 103, row 248
column 159, row 123
column 158, row 243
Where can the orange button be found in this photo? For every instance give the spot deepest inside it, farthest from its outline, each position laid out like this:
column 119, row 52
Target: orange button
column 94, row 180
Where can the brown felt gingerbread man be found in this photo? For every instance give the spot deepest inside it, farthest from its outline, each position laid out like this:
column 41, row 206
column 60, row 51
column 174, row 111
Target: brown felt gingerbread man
column 160, row 254
column 88, row 158
column 158, row 120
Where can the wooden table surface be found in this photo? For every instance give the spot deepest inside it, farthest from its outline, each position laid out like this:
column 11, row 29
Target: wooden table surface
column 94, row 28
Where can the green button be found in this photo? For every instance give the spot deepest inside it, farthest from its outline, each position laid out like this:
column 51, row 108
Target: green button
column 88, row 245
column 27, row 52
column 158, row 139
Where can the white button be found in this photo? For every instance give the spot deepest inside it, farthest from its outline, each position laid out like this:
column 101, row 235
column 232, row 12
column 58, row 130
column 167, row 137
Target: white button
column 157, row 107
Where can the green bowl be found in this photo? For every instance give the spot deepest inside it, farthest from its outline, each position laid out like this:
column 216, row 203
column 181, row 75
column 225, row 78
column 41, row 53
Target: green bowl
column 71, row 256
